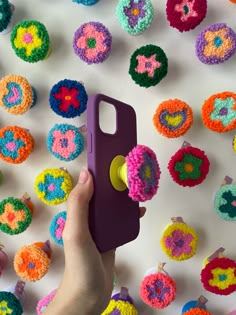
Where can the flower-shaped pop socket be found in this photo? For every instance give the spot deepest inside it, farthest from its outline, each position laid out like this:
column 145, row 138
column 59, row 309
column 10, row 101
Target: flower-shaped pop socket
column 92, row 42
column 219, row 112
column 139, row 171
column 11, row 301
column 194, row 305
column 6, row 12
column 189, row 166
column 57, row 226
column 86, row 2
column 30, row 41
column 135, row 16
column 52, row 186
column 16, row 94
column 44, row 302
column 215, row 44
column 179, row 241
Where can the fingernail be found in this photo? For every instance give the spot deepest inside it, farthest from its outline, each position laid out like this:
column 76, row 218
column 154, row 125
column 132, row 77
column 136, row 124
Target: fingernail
column 83, row 176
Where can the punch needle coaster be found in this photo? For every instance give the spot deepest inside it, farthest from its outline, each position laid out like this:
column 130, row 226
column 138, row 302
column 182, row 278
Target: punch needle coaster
column 57, row 226
column 189, row 166
column 68, row 98
column 16, row 144
column 86, row 2
column 92, row 42
column 158, row 289
column 17, row 96
column 219, row 274
column 32, row 262
column 121, row 303
column 11, row 302
column 215, row 44
column 52, row 186
column 219, row 112
column 148, row 65
column 30, row 41
column 6, row 13
column 135, row 16
column 173, row 118
column 45, row 301
column 195, row 307
column 185, row 15
column 179, row 241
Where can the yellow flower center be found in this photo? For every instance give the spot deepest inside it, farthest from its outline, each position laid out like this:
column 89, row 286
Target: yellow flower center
column 135, row 11
column 68, row 98
column 188, row 168
column 147, row 172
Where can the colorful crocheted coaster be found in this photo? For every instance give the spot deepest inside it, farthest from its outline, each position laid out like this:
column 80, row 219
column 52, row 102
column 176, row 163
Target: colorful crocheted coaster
column 53, row 186
column 57, row 226
column 30, row 41
column 10, row 304
column 5, row 14
column 92, row 42
column 197, row 311
column 189, row 166
column 219, row 276
column 16, row 144
column 135, row 16
column 45, row 301
column 215, row 44
column 65, row 142
column 179, row 241
column 225, row 202
column 16, row 94
column 219, row 112
column 32, row 262
column 86, row 2
column 68, row 98
column 234, row 143
column 173, row 118
column 185, row 15
column 148, row 65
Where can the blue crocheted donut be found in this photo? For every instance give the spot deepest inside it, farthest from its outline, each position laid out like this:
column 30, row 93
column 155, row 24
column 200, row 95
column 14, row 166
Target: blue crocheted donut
column 57, row 227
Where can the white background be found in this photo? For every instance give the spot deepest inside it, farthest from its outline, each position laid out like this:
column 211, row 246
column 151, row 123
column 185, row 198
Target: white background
column 187, row 79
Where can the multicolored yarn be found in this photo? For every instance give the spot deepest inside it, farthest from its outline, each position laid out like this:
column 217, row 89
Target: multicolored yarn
column 53, row 186
column 15, row 216
column 65, row 142
column 16, row 94
column 148, row 65
column 45, row 301
column 225, row 202
column 143, row 173
column 158, row 290
column 173, row 118
column 16, row 144
column 57, row 226
column 86, row 2
column 92, row 42
column 234, row 143
column 68, row 98
column 189, row 166
column 197, row 311
column 219, row 112
column 179, row 241
column 32, row 262
column 185, row 15
column 9, row 304
column 6, row 14
column 135, row 16
column 30, row 41
column 219, row 276
column 215, row 44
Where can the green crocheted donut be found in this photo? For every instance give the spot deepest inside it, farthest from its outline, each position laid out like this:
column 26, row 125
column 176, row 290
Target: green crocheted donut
column 6, row 14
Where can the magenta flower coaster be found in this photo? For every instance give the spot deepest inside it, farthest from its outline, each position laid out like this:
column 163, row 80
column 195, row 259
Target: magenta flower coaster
column 57, row 226
column 92, row 42
column 45, row 301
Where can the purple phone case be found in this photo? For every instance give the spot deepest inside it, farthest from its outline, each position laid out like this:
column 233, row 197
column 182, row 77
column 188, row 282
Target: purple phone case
column 113, row 215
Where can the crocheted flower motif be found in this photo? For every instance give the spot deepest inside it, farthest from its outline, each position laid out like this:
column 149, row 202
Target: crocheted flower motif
column 189, row 166
column 148, row 65
column 173, row 118
column 65, row 142
column 53, row 186
column 158, row 290
column 92, row 42
column 16, row 94
column 185, row 15
column 31, row 263
column 44, row 302
column 5, row 14
column 196, row 311
column 219, row 112
column 30, row 41
column 57, row 226
column 143, row 173
column 86, row 2
column 225, row 202
column 9, row 304
column 179, row 241
column 135, row 16
column 16, row 144
column 219, row 276
column 68, row 98
column 119, row 305
column 15, row 216
column 215, row 44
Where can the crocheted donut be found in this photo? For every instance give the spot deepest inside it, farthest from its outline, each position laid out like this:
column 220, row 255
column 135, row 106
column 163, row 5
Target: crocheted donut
column 225, row 202
column 86, row 2
column 6, row 15
column 45, row 301
column 10, row 304
column 196, row 311
column 57, row 226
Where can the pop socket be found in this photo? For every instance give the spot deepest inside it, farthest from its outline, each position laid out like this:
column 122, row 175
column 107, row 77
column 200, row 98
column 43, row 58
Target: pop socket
column 57, row 226
column 44, row 302
column 192, row 305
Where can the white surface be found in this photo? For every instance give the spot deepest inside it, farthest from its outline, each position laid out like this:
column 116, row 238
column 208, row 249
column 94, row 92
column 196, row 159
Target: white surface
column 187, row 79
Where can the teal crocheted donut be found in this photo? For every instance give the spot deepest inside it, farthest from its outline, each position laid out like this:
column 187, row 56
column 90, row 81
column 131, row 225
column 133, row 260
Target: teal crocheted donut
column 225, row 202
